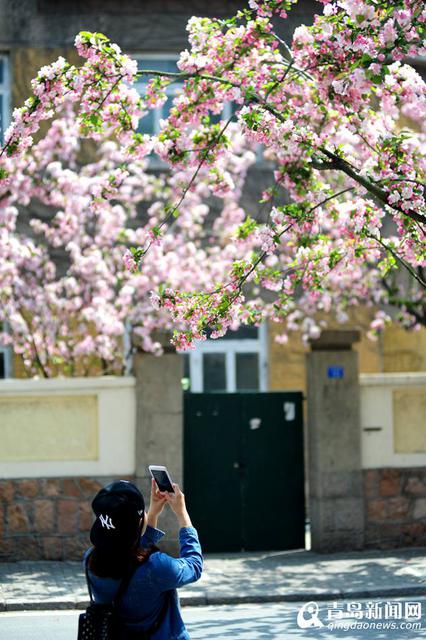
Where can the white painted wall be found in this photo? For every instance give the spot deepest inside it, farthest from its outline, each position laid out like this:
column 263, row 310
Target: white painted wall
column 117, row 419
column 116, row 426
column 377, row 419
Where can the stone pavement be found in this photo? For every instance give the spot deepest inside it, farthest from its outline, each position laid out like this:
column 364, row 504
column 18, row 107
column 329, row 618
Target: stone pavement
column 237, row 578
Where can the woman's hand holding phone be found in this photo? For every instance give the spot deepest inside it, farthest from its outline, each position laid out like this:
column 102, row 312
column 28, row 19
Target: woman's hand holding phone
column 177, row 504
column 158, row 499
column 163, row 488
column 156, row 505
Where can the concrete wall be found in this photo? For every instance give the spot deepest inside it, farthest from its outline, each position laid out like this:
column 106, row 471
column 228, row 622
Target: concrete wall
column 393, row 441
column 67, row 427
column 336, row 501
column 366, row 460
column 61, row 441
column 393, row 420
column 159, row 434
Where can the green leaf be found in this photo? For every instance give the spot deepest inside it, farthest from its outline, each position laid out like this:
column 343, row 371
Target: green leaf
column 246, row 228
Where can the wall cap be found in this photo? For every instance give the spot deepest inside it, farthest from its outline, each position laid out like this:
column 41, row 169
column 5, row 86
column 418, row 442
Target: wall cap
column 393, row 379
column 13, row 386
column 335, row 340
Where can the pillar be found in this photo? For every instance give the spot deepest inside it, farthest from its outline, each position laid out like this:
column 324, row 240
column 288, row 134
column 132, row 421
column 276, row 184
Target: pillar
column 334, row 443
column 159, row 427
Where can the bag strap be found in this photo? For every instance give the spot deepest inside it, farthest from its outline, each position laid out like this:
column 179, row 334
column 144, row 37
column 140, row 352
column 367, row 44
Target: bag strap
column 86, row 571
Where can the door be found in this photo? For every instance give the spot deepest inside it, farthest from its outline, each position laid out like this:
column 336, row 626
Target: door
column 243, row 470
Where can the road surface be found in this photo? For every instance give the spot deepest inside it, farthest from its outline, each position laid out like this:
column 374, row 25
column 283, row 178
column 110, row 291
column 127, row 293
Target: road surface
column 241, row 622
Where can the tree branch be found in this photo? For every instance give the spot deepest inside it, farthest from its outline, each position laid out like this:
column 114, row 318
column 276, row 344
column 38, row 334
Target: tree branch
column 371, row 187
column 398, row 257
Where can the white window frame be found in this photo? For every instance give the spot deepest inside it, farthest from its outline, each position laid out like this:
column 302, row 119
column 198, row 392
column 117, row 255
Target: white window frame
column 5, row 91
column 230, row 348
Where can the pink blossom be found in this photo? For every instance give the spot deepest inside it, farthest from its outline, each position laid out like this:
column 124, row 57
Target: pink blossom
column 129, row 261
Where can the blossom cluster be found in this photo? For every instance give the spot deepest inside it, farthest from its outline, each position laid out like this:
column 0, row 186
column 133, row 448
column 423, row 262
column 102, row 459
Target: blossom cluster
column 73, row 298
column 338, row 114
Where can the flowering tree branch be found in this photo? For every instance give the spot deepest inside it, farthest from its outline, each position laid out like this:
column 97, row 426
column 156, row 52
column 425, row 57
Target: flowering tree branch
column 327, row 110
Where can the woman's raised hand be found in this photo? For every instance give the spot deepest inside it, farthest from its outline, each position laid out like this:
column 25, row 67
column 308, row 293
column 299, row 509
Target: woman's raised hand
column 177, row 503
column 158, row 499
column 176, row 500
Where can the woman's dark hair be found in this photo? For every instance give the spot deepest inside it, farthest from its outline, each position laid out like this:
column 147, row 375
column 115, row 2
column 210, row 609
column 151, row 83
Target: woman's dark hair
column 116, row 562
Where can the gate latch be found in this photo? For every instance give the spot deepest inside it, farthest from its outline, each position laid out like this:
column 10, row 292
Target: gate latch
column 255, row 423
column 289, row 411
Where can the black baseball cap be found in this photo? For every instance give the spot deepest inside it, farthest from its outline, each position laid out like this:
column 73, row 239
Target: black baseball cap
column 119, row 508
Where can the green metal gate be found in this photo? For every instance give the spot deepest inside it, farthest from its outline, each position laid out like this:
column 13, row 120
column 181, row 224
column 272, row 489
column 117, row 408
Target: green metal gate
column 243, row 470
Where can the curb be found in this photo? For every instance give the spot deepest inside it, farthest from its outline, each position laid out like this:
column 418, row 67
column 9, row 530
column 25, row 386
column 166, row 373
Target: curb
column 206, row 600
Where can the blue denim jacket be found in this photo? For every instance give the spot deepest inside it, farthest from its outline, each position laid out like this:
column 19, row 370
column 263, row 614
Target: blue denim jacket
column 143, row 599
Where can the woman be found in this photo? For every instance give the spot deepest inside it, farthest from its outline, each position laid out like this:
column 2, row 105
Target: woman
column 124, row 537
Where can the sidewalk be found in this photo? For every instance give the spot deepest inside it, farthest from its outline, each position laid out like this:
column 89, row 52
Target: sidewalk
column 237, row 578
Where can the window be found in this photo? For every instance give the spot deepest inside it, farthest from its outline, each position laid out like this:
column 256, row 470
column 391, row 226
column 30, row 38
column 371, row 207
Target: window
column 166, row 62
column 158, row 62
column 214, row 371
column 150, row 123
column 5, row 360
column 4, row 94
column 236, row 362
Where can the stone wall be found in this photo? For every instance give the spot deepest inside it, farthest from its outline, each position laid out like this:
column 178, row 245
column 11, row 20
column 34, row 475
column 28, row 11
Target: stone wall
column 46, row 519
column 395, row 507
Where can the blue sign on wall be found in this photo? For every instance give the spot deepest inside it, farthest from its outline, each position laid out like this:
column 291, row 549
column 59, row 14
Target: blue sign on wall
column 335, row 372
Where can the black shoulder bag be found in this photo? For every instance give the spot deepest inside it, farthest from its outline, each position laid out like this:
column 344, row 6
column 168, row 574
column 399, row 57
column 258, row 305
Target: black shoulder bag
column 102, row 622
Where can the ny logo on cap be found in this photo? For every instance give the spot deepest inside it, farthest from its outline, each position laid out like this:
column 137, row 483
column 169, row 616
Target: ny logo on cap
column 106, row 522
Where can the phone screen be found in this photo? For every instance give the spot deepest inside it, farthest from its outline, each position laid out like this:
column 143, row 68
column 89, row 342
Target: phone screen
column 162, row 480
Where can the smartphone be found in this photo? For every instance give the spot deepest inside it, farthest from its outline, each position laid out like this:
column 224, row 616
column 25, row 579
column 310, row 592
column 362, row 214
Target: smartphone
column 162, row 478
